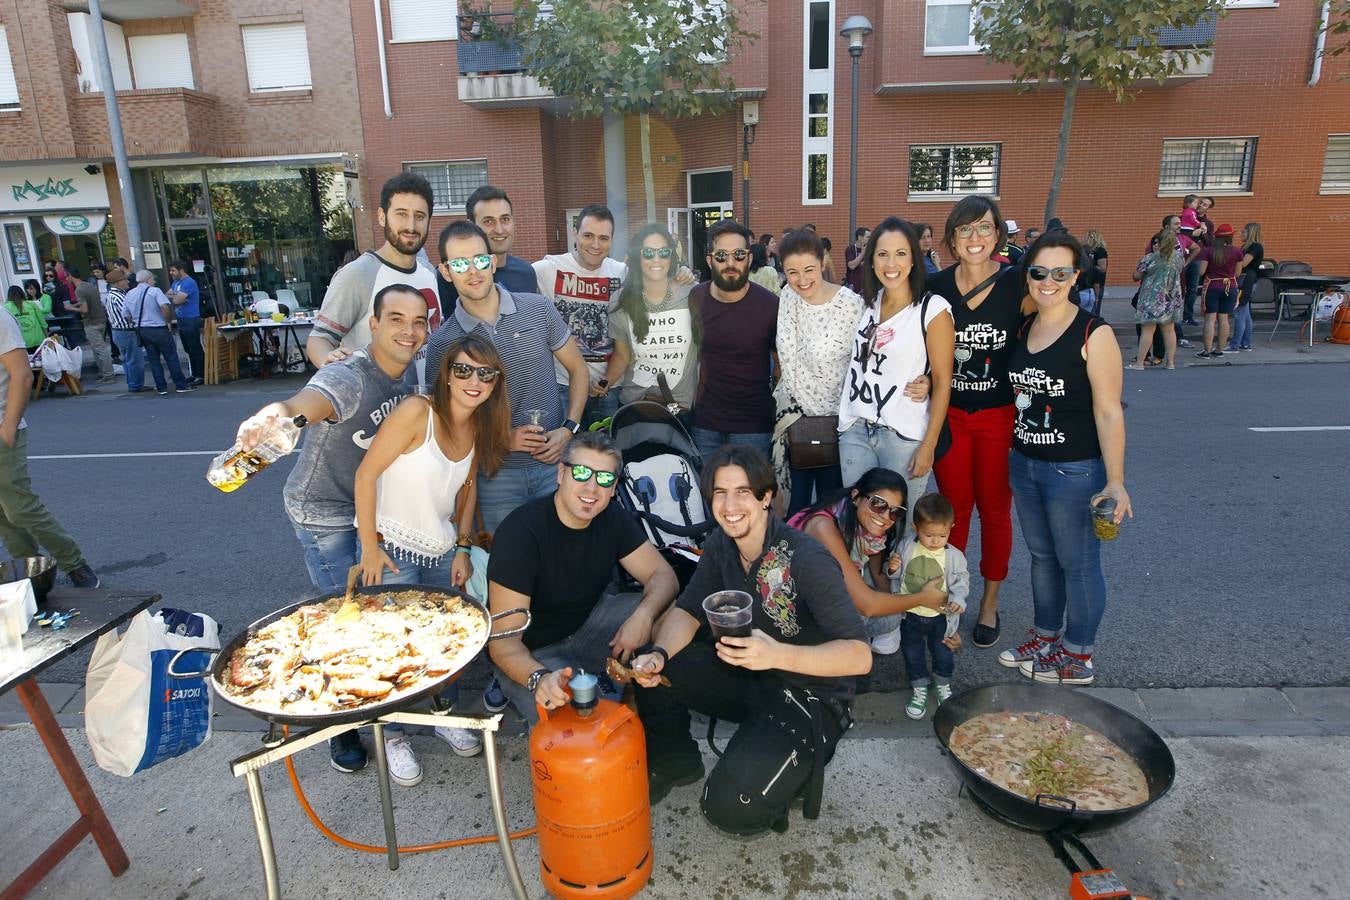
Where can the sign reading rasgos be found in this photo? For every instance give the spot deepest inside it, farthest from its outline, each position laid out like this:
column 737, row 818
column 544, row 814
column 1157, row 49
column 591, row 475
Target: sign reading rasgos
column 51, row 188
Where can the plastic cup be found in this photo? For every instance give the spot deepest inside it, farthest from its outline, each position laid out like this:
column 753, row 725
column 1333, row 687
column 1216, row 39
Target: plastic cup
column 535, row 417
column 422, row 389
column 1104, row 524
column 729, row 613
column 278, row 317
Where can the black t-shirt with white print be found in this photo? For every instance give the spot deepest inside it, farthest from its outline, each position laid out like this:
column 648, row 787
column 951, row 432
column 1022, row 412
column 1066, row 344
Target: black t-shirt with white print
column 984, row 339
column 1053, row 395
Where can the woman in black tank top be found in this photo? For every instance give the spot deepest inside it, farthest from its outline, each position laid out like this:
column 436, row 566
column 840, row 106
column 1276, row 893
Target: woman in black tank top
column 1068, row 444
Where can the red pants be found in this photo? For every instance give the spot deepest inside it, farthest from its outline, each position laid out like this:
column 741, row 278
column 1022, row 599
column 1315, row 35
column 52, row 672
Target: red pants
column 974, row 475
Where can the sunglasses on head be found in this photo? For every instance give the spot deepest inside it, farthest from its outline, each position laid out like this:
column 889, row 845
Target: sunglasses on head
column 879, row 506
column 463, row 371
column 1060, row 274
column 582, row 474
column 738, row 255
column 653, row 252
column 460, row 264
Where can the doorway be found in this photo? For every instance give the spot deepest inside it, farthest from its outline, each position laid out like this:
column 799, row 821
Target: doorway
column 192, row 243
column 709, row 203
column 20, row 259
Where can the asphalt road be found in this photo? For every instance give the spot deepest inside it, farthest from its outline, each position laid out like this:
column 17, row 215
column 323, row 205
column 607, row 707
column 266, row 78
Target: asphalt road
column 1232, row 572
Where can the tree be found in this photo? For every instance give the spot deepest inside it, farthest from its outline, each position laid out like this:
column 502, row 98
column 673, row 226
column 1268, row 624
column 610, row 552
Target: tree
column 1337, row 29
column 638, row 57
column 1111, row 44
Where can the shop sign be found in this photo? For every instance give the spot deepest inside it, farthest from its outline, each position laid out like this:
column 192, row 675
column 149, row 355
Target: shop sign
column 76, row 223
column 41, row 189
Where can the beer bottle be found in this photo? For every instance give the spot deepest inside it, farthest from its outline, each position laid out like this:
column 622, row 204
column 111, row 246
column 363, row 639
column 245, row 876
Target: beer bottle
column 231, row 469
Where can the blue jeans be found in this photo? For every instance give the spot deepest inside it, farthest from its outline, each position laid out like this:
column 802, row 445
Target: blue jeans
column 1242, row 327
column 509, row 488
column 159, row 345
column 190, row 334
column 708, row 441
column 916, row 634
column 133, row 357
column 866, row 445
column 1066, row 568
column 329, row 555
column 1190, row 276
column 812, row 484
column 587, row 647
column 597, row 408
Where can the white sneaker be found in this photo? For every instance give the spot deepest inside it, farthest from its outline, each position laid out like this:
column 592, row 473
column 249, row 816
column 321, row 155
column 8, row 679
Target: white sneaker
column 463, row 741
column 403, row 766
column 886, row 644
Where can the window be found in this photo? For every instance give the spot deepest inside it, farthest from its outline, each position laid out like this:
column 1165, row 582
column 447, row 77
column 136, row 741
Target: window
column 81, row 41
column 277, row 57
column 451, row 182
column 819, row 36
column 9, row 91
column 955, row 169
column 948, row 27
column 161, row 60
column 818, row 116
column 423, row 20
column 818, row 176
column 1336, row 168
column 1207, row 164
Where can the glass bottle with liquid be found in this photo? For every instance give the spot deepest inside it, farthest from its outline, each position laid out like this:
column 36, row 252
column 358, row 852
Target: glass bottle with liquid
column 231, row 469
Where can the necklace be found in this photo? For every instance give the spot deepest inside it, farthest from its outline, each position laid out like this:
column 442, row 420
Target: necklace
column 662, row 302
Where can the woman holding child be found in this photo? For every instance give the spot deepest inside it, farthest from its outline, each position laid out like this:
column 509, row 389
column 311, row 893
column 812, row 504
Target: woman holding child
column 415, row 496
column 1068, row 457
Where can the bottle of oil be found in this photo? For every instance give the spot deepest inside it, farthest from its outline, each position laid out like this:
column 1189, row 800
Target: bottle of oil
column 231, row 469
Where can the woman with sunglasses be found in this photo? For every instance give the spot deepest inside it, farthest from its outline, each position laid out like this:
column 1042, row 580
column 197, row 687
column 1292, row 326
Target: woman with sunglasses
column 904, row 331
column 860, row 526
column 1068, row 457
column 654, row 333
column 986, row 303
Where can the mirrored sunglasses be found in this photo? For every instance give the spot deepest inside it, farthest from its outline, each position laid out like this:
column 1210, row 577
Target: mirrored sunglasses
column 879, row 506
column 1060, row 274
column 583, row 474
column 653, row 252
column 460, row 264
column 463, row 371
column 738, row 255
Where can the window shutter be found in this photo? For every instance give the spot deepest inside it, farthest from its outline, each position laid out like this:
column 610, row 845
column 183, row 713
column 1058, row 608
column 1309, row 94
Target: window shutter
column 277, row 57
column 1336, row 168
column 423, row 20
column 161, row 60
column 9, row 91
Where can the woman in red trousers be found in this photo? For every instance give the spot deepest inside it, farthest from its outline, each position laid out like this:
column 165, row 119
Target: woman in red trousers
column 986, row 303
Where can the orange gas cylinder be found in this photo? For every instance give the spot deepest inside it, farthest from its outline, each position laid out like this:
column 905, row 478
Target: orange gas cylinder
column 1340, row 324
column 589, row 764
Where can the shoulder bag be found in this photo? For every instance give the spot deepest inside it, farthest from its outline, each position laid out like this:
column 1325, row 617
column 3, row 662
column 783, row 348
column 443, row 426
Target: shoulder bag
column 813, row 441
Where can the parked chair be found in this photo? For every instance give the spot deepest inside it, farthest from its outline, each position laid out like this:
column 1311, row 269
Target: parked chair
column 1262, row 297
column 287, row 297
column 1287, row 305
column 260, row 295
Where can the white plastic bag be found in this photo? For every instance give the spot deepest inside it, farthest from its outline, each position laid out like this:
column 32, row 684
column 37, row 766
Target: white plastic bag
column 1328, row 304
column 136, row 714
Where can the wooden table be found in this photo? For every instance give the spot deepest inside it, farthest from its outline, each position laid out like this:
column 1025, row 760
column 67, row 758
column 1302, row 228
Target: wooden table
column 100, row 612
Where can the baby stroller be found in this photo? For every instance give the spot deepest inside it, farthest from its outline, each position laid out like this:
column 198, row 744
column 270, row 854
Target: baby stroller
column 659, row 484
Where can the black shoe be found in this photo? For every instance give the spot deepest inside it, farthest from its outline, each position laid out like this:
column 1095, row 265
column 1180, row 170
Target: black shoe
column 83, row 577
column 1204, row 354
column 986, row 635
column 345, row 752
column 196, row 382
column 185, row 389
column 670, row 773
column 162, row 393
column 494, row 698
column 1215, row 352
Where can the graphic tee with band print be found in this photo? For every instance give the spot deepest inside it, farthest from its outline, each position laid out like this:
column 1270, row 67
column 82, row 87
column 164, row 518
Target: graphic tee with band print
column 585, row 298
column 1053, row 395
column 984, row 339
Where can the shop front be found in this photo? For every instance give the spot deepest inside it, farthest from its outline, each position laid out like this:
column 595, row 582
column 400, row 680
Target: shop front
column 51, row 211
column 279, row 228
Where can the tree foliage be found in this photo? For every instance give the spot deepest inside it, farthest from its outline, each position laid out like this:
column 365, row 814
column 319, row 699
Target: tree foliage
column 1111, row 44
column 1338, row 29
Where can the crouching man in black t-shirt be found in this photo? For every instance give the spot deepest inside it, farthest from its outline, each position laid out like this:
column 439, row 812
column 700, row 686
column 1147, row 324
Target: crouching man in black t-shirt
column 788, row 684
column 556, row 557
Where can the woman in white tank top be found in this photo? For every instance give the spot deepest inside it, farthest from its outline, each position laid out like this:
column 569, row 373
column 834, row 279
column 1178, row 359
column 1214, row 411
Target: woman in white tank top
column 415, row 490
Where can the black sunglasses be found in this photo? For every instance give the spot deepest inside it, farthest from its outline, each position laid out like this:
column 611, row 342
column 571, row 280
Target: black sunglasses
column 1060, row 274
column 738, row 255
column 463, row 371
column 879, row 505
column 653, row 252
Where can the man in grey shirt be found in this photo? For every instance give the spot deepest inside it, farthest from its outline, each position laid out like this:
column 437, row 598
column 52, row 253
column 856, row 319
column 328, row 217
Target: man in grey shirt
column 24, row 522
column 150, row 313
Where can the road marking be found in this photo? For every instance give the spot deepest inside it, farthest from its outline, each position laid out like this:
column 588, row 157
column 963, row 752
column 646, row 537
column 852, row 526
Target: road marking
column 120, row 455
column 1304, row 428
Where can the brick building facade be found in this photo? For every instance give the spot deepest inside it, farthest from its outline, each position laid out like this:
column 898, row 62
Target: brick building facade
column 237, row 116
column 1246, row 127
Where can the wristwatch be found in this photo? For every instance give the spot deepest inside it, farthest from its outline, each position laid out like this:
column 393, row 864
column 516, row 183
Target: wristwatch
column 603, row 382
column 571, row 426
column 532, row 683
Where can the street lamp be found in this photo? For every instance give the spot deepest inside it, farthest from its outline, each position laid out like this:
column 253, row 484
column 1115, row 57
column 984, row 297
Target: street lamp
column 856, row 29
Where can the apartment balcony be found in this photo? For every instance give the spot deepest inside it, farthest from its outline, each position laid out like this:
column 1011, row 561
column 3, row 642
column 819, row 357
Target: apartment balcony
column 127, row 10
column 155, row 122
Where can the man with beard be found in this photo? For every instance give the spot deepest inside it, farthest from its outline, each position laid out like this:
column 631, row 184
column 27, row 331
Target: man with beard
column 734, row 404
column 788, row 682
column 341, row 326
column 490, row 209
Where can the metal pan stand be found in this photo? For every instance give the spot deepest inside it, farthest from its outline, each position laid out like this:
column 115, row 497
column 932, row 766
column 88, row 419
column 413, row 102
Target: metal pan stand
column 275, row 749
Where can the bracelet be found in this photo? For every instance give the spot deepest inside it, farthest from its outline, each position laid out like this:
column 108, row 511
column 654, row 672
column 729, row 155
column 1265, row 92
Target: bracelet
column 462, row 548
column 661, row 651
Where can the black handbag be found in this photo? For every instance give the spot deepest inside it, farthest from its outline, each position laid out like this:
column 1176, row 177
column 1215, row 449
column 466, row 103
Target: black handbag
column 813, row 442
